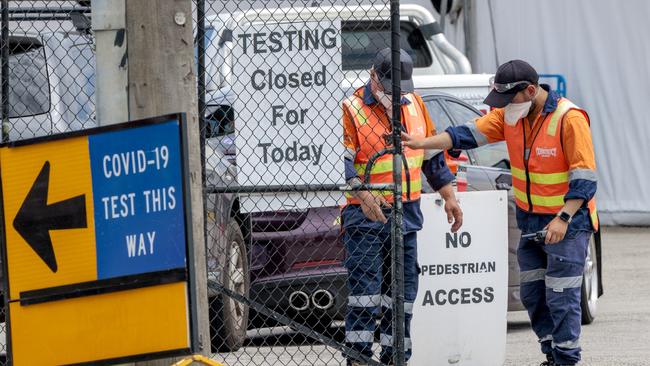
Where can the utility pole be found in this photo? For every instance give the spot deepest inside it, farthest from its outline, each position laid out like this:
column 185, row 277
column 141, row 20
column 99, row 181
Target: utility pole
column 155, row 75
column 162, row 79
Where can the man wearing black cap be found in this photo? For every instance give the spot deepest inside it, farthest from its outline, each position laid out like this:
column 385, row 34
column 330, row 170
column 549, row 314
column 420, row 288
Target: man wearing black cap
column 366, row 217
column 554, row 183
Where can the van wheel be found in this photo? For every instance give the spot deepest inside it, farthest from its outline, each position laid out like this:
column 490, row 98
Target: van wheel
column 589, row 300
column 229, row 317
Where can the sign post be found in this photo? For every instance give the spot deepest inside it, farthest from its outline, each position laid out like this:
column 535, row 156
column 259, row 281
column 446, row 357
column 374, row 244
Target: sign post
column 97, row 244
column 288, row 111
column 459, row 316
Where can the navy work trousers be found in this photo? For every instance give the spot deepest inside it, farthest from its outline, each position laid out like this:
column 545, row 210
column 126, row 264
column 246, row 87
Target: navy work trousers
column 368, row 262
column 551, row 283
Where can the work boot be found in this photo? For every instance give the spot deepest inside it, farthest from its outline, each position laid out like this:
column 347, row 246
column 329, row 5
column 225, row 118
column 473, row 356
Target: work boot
column 549, row 361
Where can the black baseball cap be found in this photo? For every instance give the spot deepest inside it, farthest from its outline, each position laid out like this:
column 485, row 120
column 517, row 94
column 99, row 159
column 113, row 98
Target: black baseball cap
column 511, row 78
column 383, row 67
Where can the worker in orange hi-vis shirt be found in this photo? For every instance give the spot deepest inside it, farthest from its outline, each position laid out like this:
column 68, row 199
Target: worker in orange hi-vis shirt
column 367, row 238
column 554, row 182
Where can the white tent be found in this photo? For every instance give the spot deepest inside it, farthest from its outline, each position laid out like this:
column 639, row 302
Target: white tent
column 600, row 47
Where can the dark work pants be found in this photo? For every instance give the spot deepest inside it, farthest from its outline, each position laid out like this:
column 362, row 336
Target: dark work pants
column 368, row 262
column 551, row 282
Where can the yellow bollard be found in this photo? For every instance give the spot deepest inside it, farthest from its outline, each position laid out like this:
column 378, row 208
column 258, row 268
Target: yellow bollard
column 197, row 358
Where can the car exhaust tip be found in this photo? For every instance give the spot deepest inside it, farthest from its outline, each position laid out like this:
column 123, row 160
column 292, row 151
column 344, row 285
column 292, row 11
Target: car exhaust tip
column 299, row 301
column 322, row 299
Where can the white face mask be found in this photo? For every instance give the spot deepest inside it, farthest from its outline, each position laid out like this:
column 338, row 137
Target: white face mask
column 515, row 111
column 386, row 100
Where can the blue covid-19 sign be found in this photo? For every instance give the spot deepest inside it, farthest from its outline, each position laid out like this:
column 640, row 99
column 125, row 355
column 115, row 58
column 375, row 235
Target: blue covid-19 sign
column 138, row 200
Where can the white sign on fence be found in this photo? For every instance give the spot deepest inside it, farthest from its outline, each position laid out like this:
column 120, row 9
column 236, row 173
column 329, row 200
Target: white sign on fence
column 459, row 316
column 288, row 111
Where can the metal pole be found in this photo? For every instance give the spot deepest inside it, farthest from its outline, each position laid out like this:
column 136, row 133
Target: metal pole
column 443, row 14
column 200, row 39
column 467, row 30
column 298, row 188
column 200, row 50
column 5, row 71
column 111, row 92
column 397, row 251
column 46, row 10
column 494, row 36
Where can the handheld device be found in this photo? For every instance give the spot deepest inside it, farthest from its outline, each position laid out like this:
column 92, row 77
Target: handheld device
column 539, row 236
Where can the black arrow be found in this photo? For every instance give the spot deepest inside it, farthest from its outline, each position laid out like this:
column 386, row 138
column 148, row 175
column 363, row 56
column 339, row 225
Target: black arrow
column 36, row 218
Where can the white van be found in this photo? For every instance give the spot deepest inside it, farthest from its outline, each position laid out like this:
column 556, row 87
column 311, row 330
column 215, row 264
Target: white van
column 438, row 65
column 51, row 84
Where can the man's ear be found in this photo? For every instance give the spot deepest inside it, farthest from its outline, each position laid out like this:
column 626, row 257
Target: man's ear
column 374, row 81
column 531, row 90
column 372, row 75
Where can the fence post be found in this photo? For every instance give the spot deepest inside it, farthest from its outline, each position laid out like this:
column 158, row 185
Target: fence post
column 5, row 71
column 397, row 252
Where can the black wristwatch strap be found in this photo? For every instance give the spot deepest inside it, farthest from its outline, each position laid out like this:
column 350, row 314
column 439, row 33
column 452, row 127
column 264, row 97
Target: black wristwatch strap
column 564, row 216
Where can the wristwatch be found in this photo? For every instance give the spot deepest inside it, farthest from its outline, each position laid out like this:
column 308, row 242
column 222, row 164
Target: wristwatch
column 564, row 216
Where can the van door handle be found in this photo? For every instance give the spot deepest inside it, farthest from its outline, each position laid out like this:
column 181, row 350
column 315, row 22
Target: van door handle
column 503, row 186
column 503, row 182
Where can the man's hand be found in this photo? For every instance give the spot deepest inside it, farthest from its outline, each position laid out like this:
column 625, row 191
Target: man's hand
column 454, row 214
column 452, row 208
column 412, row 142
column 556, row 231
column 371, row 205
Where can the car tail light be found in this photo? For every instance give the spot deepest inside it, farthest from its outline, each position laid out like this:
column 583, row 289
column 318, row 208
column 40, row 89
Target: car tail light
column 461, row 179
column 453, row 162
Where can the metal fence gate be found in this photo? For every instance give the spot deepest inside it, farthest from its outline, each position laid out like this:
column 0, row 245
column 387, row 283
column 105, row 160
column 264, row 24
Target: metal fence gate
column 265, row 109
column 272, row 79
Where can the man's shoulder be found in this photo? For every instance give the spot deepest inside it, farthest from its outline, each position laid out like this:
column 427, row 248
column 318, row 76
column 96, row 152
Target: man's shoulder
column 356, row 95
column 576, row 115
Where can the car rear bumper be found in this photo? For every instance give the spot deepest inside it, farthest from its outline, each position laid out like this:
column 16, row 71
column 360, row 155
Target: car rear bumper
column 274, row 292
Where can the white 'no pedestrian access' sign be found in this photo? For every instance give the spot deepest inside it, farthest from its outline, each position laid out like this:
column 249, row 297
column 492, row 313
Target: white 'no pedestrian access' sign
column 460, row 313
column 288, row 110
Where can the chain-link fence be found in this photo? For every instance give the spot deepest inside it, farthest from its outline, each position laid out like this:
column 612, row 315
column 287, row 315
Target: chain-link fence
column 298, row 274
column 310, row 288
column 47, row 77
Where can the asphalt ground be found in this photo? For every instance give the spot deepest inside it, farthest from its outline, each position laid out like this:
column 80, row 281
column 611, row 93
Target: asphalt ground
column 620, row 335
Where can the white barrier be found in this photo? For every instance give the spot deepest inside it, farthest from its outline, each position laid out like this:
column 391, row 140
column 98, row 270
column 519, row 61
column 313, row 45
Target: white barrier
column 459, row 316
